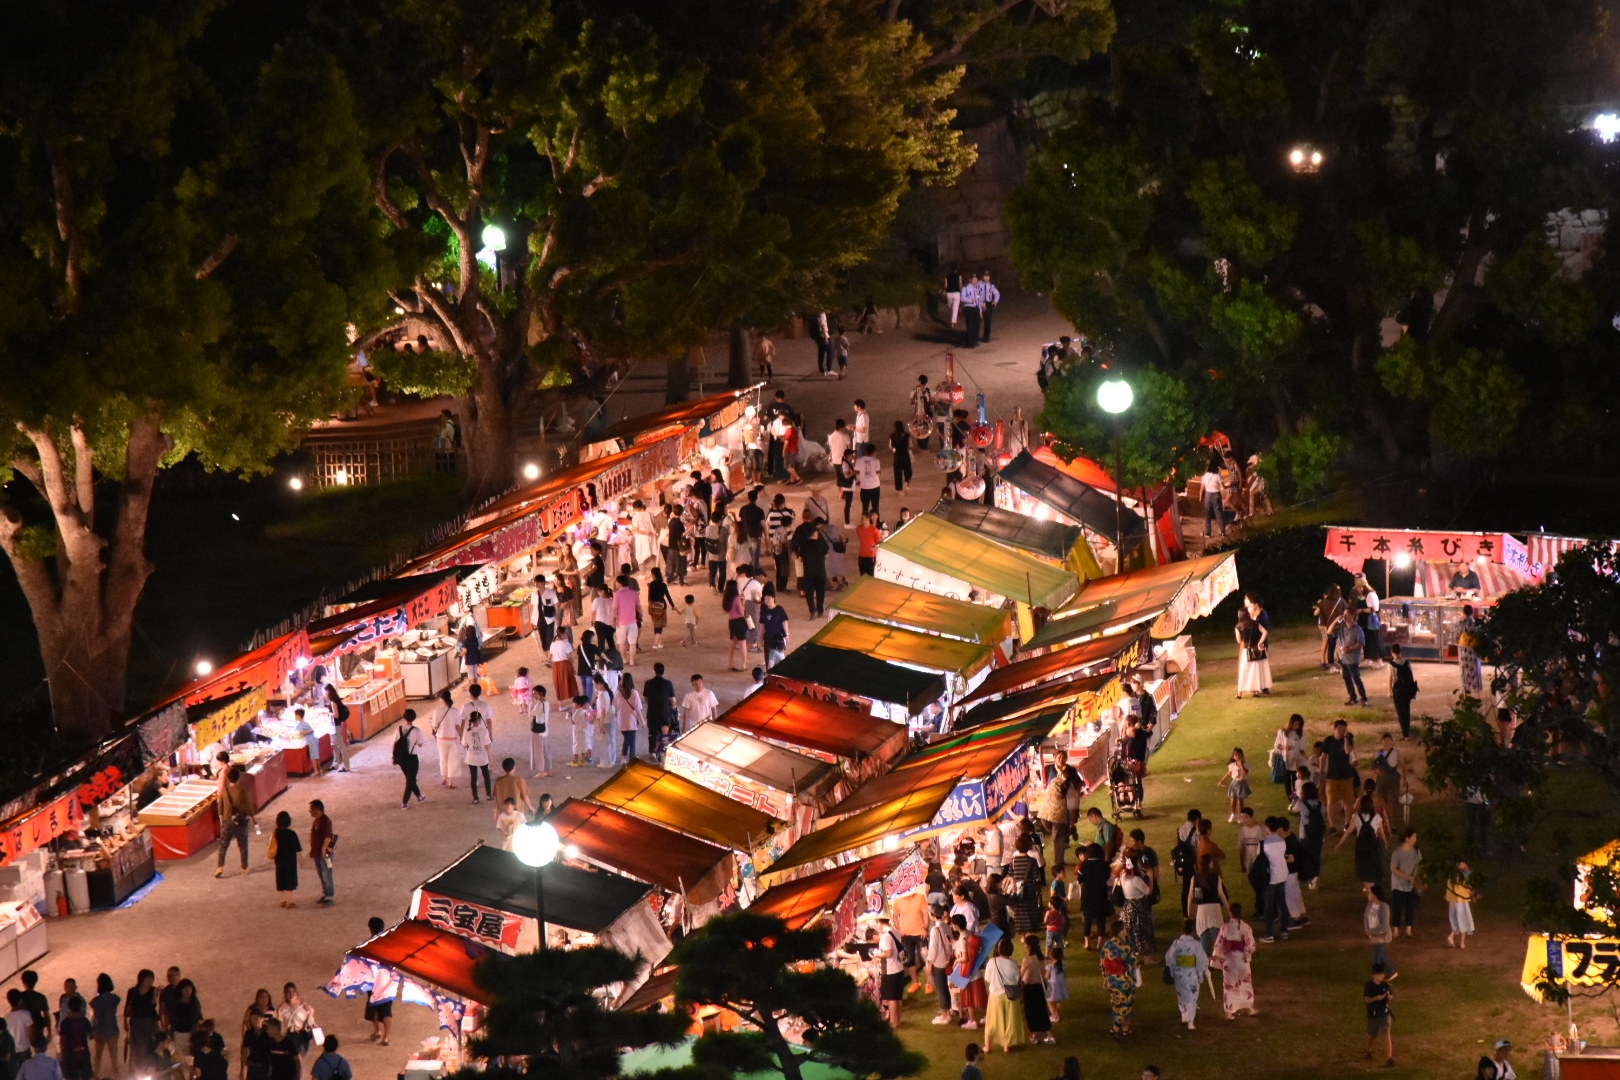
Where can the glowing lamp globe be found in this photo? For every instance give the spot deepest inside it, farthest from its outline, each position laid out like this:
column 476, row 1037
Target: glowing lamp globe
column 494, row 238
column 537, row 844
column 1115, row 396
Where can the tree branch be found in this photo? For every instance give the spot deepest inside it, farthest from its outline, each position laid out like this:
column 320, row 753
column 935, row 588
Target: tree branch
column 431, row 297
column 949, row 54
column 458, row 225
column 379, row 191
column 84, row 472
column 67, row 226
column 33, row 576
column 217, row 256
column 128, row 567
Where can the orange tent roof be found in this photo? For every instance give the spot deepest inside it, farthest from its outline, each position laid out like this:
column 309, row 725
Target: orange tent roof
column 634, row 846
column 1027, row 701
column 974, row 761
column 1082, row 469
column 801, row 720
column 428, row 954
column 675, row 802
column 1060, row 662
column 910, row 811
column 798, row 902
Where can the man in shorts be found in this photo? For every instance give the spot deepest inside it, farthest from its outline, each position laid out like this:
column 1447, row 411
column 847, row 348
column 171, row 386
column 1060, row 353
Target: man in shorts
column 1380, row 1019
column 891, row 953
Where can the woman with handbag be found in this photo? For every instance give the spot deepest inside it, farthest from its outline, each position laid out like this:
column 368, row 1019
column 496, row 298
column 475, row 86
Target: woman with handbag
column 1403, row 688
column 1288, row 754
column 1004, row 1022
column 659, row 601
column 1037, row 1014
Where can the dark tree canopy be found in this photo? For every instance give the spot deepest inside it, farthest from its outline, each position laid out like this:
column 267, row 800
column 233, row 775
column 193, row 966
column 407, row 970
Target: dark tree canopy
column 1394, row 284
column 183, row 240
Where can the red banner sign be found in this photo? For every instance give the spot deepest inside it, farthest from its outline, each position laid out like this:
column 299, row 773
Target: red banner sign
column 1351, row 547
column 41, row 827
column 488, row 926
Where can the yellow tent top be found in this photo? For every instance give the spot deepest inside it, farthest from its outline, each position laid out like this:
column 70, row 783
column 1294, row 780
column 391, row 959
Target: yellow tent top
column 884, row 601
column 914, row 809
column 674, row 802
column 896, row 646
column 934, row 543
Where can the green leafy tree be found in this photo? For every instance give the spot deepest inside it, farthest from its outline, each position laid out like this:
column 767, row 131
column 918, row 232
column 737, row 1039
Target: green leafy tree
column 1158, row 433
column 749, row 964
column 183, row 241
column 548, row 1017
column 1395, row 281
column 656, row 171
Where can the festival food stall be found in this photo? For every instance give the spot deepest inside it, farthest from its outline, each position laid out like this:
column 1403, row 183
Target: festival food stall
column 871, row 832
column 1053, row 541
column 963, row 663
column 214, row 724
column 702, row 875
column 786, row 785
column 675, row 802
column 862, row 745
column 837, row 677
column 1544, row 550
column 1116, row 653
column 1162, row 507
column 420, row 964
column 931, row 554
column 713, row 416
column 879, row 601
column 1451, row 570
column 397, row 609
column 1039, row 490
column 1167, row 597
column 488, row 896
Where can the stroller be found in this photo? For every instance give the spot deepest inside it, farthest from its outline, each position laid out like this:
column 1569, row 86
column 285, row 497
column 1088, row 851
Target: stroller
column 1124, row 785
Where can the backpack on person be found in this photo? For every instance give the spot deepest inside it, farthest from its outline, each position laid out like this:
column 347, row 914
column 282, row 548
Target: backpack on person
column 1315, row 824
column 1366, row 838
column 402, row 747
column 1184, row 856
column 1260, row 872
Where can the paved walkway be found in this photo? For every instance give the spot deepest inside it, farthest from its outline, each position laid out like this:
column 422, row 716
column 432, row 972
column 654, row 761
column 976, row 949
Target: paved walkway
column 231, row 938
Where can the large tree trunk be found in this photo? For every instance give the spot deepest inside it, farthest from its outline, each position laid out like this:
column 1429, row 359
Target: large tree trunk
column 83, row 595
column 737, row 357
column 677, row 379
column 489, row 432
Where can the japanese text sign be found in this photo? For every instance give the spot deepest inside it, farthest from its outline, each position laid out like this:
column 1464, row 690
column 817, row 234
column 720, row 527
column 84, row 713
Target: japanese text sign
column 474, row 922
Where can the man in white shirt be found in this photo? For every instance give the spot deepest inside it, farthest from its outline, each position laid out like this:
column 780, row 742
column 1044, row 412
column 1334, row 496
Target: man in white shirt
column 752, row 592
column 892, row 987
column 991, row 849
column 1275, row 901
column 698, row 706
column 869, row 478
column 863, row 423
column 839, row 442
column 447, row 731
column 19, row 1022
column 1211, row 483
column 989, row 297
column 971, row 311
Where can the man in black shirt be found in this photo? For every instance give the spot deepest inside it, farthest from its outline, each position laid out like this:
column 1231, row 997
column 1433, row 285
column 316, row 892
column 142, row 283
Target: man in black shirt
column 810, row 545
column 659, row 694
column 34, row 1001
column 1380, row 1019
column 753, row 523
column 1340, row 748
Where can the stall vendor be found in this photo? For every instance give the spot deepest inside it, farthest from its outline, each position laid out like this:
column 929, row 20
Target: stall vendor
column 1464, row 580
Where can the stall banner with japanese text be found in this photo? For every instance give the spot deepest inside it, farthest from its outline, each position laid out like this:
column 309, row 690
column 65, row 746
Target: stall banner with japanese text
column 41, row 827
column 1196, row 599
column 1003, row 786
column 911, row 874
column 711, row 776
column 1579, row 963
column 847, row 912
column 472, row 921
column 1105, row 697
column 219, row 725
column 1351, row 547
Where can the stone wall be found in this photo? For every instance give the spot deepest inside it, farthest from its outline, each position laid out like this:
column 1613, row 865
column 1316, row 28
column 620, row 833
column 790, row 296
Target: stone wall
column 972, row 232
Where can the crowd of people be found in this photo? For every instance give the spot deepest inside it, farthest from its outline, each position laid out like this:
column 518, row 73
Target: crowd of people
column 151, row 1031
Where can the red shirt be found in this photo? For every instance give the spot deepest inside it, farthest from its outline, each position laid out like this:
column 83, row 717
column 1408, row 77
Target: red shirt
column 320, row 832
column 869, row 536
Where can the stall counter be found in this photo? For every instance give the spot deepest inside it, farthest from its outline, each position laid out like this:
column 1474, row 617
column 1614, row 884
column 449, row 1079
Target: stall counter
column 425, row 677
column 373, row 705
column 1425, row 627
column 22, row 937
column 265, row 776
column 511, row 609
column 184, row 821
column 129, row 866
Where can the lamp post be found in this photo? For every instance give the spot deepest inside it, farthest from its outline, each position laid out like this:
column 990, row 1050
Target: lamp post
column 1114, row 396
column 494, row 238
column 536, row 845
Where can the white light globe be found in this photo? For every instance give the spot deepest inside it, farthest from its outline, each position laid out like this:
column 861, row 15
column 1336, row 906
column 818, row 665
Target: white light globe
column 531, row 471
column 1115, row 396
column 537, row 844
column 494, row 238
column 204, row 667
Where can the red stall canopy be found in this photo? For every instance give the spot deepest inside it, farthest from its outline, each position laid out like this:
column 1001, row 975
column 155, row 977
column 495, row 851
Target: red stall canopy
column 428, row 954
column 644, row 849
column 1124, row 649
column 791, row 719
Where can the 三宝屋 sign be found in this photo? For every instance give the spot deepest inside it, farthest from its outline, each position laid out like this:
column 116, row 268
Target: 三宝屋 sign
column 489, row 926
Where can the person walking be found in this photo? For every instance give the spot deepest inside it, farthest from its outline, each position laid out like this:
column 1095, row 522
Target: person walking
column 322, row 842
column 1350, row 642
column 1037, row 1014
column 1057, row 982
column 868, row 477
column 340, row 728
column 1236, row 782
column 407, row 757
column 1207, row 906
column 73, row 1034
column 1096, row 910
column 627, row 615
column 1375, row 920
column 736, row 627
column 632, row 716
column 1403, row 883
column 773, row 620
column 1210, row 482
column 447, row 730
column 1380, row 1018
column 1187, row 963
column 1271, row 870
column 1119, row 965
column 235, row 814
column 539, row 729
column 868, row 535
column 1340, row 751
column 1234, row 955
column 1403, row 689
column 104, row 1030
column 330, row 1065
column 1469, row 671
column 1460, row 897
column 141, row 1016
column 937, row 958
column 971, row 312
column 810, row 544
column 989, row 297
column 475, row 744
column 900, row 444
column 285, row 848
column 972, row 997
column 1370, row 831
column 207, row 1053
column 1004, row 1022
column 953, row 294
column 297, row 1019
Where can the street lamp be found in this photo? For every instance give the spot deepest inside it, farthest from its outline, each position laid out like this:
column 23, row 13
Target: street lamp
column 536, row 845
column 1305, row 158
column 1114, row 396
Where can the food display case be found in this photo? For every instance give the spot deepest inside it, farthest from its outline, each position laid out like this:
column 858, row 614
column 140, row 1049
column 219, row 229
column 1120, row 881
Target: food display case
column 284, row 734
column 428, row 666
column 116, row 866
column 264, row 772
column 373, row 703
column 183, row 821
column 22, row 937
column 1425, row 627
column 510, row 609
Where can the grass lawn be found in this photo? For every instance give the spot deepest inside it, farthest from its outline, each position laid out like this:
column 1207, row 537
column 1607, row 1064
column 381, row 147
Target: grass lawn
column 1450, row 1005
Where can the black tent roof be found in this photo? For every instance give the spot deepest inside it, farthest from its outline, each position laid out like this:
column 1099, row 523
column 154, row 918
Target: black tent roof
column 587, row 901
column 857, row 673
column 1068, row 496
column 1048, row 539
